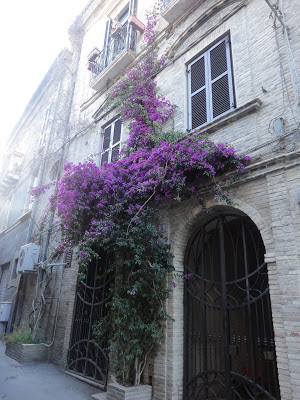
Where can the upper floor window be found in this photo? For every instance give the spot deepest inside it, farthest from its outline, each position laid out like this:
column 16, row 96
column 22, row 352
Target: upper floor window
column 210, row 84
column 112, row 139
column 42, row 140
column 123, row 18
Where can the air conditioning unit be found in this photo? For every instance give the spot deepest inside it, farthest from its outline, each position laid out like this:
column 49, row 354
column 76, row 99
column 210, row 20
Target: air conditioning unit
column 29, row 256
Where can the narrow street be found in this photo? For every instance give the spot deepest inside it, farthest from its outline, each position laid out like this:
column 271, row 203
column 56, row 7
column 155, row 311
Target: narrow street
column 39, row 381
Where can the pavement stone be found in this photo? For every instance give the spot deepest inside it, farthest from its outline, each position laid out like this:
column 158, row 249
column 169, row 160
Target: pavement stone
column 39, row 381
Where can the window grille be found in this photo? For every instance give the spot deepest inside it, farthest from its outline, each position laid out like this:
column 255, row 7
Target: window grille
column 112, row 139
column 210, row 84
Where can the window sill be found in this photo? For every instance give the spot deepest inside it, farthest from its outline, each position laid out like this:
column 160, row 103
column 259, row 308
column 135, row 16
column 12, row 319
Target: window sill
column 226, row 119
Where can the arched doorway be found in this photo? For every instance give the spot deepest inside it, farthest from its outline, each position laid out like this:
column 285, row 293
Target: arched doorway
column 229, row 339
column 87, row 358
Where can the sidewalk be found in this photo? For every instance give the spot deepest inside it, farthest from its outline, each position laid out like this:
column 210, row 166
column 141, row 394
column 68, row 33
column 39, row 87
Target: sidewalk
column 39, row 382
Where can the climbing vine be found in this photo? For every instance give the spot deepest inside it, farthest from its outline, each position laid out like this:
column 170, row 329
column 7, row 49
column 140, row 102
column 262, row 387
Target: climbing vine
column 114, row 207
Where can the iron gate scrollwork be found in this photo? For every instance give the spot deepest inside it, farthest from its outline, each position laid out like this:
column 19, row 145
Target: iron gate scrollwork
column 229, row 339
column 86, row 357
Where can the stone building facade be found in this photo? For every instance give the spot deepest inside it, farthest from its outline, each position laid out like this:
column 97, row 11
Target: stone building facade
column 259, row 115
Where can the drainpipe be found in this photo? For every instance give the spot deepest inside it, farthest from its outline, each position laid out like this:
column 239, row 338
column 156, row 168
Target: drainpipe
column 290, row 55
column 276, row 12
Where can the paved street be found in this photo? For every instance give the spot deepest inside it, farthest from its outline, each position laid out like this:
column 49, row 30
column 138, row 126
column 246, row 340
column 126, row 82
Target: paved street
column 39, row 382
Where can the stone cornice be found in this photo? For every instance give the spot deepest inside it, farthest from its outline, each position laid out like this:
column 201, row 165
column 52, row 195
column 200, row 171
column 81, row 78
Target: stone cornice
column 207, row 15
column 239, row 112
column 261, row 168
column 19, row 222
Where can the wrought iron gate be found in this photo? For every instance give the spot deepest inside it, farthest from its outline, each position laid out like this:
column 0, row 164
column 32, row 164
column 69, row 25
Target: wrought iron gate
column 85, row 357
column 229, row 339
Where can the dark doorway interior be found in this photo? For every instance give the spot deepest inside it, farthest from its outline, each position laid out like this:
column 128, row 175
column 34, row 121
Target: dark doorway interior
column 229, row 339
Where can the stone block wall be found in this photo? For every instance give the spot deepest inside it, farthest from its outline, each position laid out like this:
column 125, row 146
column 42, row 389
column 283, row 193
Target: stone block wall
column 279, row 231
column 261, row 71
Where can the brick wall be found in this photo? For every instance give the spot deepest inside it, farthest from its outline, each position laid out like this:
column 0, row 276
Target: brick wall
column 27, row 353
column 266, row 193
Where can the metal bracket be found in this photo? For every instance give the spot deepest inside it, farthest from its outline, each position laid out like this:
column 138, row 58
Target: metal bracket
column 277, row 12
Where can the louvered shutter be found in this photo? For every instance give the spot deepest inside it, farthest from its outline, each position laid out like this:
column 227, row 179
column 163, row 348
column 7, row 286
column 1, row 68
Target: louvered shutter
column 220, row 78
column 115, row 153
column 104, row 157
column 210, row 85
column 107, row 37
column 198, row 92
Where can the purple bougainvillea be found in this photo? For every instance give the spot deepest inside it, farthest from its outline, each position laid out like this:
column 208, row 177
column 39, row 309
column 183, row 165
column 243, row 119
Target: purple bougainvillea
column 112, row 207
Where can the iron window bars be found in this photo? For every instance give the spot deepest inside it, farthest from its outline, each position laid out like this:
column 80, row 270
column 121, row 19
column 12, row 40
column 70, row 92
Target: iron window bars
column 229, row 337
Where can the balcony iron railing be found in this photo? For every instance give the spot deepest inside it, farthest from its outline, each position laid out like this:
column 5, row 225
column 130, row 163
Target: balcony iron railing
column 123, row 38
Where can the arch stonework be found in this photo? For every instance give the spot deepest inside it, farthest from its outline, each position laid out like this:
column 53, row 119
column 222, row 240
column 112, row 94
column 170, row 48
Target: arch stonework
column 195, row 215
column 183, row 223
column 205, row 16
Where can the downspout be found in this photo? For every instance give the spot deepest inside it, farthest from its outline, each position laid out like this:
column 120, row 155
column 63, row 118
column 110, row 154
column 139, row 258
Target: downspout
column 292, row 66
column 276, row 12
column 290, row 55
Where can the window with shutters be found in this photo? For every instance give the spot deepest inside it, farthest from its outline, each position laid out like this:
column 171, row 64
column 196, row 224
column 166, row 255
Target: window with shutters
column 112, row 138
column 210, row 84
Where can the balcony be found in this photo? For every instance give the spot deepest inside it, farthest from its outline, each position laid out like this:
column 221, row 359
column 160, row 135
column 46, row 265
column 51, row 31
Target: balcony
column 10, row 173
column 114, row 58
column 172, row 10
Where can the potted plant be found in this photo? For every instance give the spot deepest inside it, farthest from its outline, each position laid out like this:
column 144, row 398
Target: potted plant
column 92, row 57
column 24, row 345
